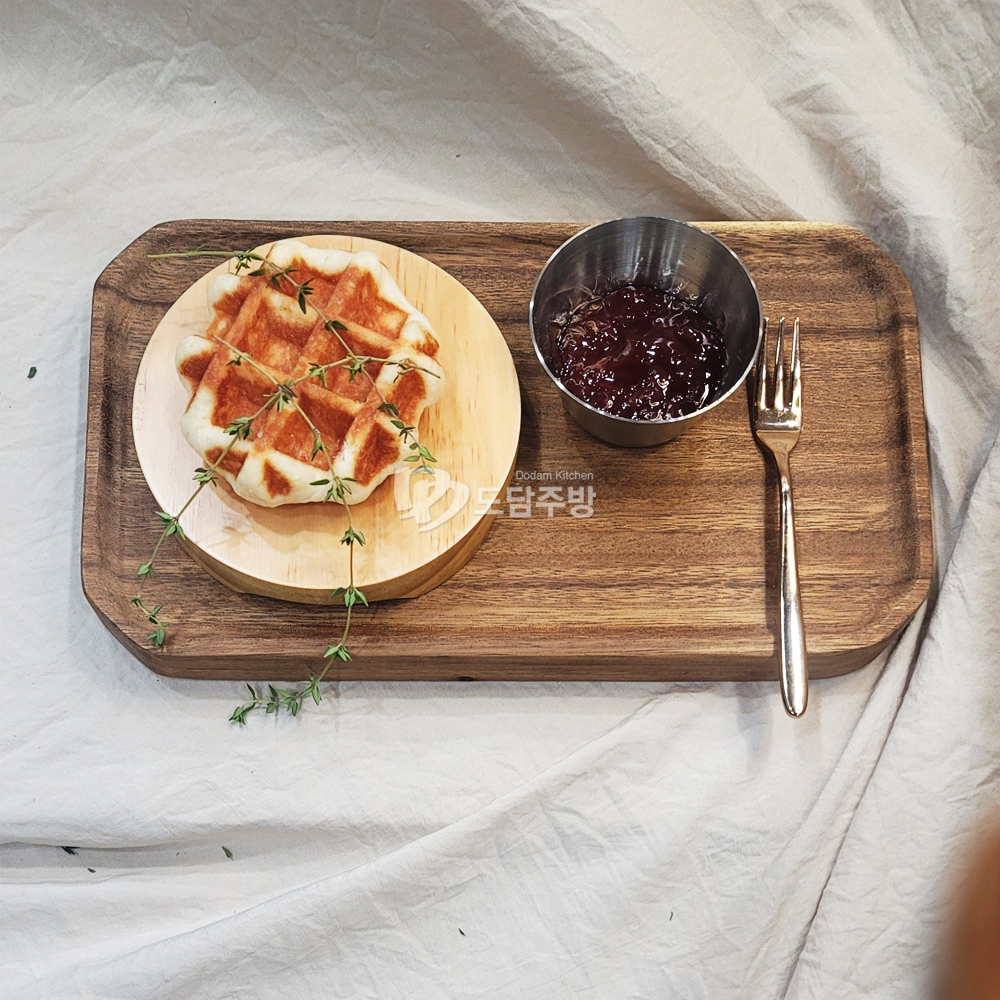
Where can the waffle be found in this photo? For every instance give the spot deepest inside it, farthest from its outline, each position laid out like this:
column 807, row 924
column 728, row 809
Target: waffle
column 275, row 465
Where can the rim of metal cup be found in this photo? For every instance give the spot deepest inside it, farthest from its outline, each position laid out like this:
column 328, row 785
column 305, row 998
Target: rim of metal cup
column 629, row 421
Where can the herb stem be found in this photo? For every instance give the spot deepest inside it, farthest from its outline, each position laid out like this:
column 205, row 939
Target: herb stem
column 240, row 429
column 173, row 522
column 193, row 253
column 338, row 488
column 190, row 500
column 243, row 356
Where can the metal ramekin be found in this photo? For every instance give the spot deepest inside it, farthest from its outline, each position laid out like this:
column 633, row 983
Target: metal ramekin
column 665, row 253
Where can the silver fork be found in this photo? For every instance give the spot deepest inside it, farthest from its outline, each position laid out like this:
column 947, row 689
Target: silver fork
column 777, row 428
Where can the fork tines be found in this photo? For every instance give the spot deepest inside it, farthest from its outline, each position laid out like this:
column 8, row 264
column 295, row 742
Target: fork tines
column 779, row 376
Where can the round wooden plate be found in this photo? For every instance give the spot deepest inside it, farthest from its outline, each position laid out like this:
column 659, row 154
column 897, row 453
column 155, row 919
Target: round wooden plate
column 419, row 531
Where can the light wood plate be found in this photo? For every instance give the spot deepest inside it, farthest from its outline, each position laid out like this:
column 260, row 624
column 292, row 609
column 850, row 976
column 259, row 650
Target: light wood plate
column 294, row 552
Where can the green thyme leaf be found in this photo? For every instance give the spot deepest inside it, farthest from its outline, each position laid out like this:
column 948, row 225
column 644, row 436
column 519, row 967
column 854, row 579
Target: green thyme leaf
column 312, row 690
column 203, row 475
column 354, row 596
column 241, row 712
column 240, row 428
column 318, row 372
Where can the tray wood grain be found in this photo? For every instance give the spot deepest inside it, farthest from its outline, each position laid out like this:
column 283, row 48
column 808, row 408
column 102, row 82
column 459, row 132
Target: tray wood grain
column 675, row 576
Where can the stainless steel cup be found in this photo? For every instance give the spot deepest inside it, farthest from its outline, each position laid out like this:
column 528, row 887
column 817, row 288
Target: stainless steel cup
column 647, row 251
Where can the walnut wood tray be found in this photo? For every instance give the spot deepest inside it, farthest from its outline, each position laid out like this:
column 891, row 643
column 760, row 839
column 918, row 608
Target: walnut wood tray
column 675, row 574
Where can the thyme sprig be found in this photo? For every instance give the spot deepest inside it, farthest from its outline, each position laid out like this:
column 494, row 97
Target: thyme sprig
column 285, row 395
column 239, row 430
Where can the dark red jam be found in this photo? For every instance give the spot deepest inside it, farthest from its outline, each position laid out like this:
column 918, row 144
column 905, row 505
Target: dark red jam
column 640, row 352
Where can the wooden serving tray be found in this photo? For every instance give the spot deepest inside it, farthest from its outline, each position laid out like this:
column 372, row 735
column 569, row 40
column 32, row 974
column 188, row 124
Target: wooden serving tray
column 675, row 574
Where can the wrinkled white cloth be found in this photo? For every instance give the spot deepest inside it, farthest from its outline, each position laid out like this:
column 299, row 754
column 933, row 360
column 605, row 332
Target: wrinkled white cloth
column 490, row 840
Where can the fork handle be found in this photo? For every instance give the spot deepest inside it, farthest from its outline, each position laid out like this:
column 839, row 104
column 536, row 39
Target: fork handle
column 794, row 672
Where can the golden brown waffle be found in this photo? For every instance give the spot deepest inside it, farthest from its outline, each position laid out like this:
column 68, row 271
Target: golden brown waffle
column 263, row 319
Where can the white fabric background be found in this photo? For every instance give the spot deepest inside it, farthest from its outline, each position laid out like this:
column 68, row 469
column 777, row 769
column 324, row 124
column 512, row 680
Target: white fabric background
column 591, row 840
